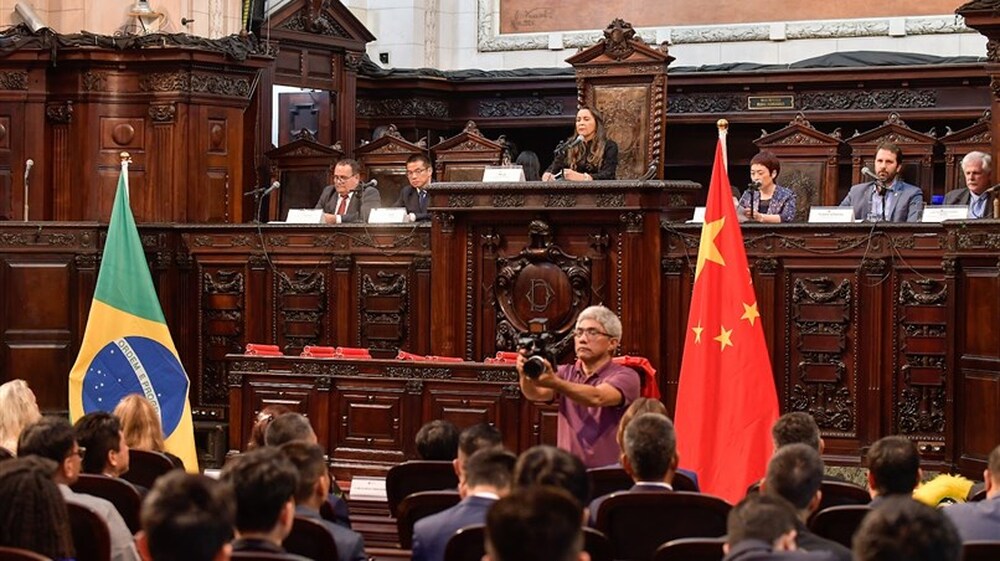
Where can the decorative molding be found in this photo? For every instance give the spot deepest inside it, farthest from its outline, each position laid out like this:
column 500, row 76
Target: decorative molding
column 318, row 22
column 899, row 98
column 14, row 80
column 163, row 113
column 94, row 81
column 535, row 107
column 460, row 201
column 394, row 107
column 59, row 113
column 559, row 200
column 632, row 222
column 508, row 200
column 606, row 200
column 191, row 82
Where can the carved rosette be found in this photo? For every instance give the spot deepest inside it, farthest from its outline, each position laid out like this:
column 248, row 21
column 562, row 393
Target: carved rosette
column 559, row 200
column 507, row 200
column 460, row 201
column 14, row 80
column 534, row 107
column 93, row 81
column 59, row 113
column 671, row 265
column 766, row 265
column 606, row 200
column 353, row 61
column 632, row 221
column 447, row 221
column 162, row 113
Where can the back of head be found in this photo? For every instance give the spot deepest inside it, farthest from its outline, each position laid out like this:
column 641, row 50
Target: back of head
column 894, row 463
column 528, row 161
column 264, row 418
column 548, row 465
column 263, row 481
column 99, row 432
column 187, row 517
column 759, row 517
column 140, row 423
column 903, row 529
column 51, row 438
column 18, row 409
column 33, row 514
column 310, row 461
column 477, row 437
column 794, row 473
column 491, row 466
column 536, row 524
column 438, row 441
column 650, row 445
column 289, row 427
column 796, row 427
column 993, row 465
column 638, row 407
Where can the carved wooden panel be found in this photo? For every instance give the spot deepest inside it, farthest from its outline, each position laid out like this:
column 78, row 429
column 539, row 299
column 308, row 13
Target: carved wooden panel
column 220, row 326
column 539, row 424
column 465, row 405
column 384, row 294
column 806, row 180
column 373, row 420
column 626, row 116
column 300, row 296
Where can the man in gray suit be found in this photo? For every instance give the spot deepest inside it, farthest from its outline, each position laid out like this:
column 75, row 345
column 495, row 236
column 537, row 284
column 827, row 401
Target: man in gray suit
column 889, row 198
column 981, row 520
column 978, row 169
column 346, row 200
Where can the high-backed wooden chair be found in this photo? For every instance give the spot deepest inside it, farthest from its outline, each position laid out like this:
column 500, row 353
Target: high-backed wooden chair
column 385, row 161
column 637, row 523
column 611, row 479
column 415, row 476
column 310, row 538
column 467, row 544
column 419, row 505
column 303, row 168
column 918, row 153
column 838, row 523
column 119, row 493
column 837, row 493
column 691, row 549
column 91, row 538
column 464, row 156
column 958, row 143
column 18, row 554
column 146, row 466
column 981, row 551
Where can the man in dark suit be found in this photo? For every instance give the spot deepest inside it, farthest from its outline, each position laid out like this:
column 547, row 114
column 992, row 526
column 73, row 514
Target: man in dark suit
column 535, row 523
column 978, row 169
column 902, row 528
column 100, row 433
column 187, row 517
column 800, row 427
column 889, row 198
column 343, row 202
column 893, row 468
column 795, row 474
column 488, row 477
column 649, row 456
column 762, row 528
column 414, row 197
column 981, row 520
column 312, row 491
column 471, row 440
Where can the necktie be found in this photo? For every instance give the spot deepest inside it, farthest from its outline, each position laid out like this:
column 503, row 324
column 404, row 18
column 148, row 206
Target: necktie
column 979, row 207
column 342, row 206
column 423, row 200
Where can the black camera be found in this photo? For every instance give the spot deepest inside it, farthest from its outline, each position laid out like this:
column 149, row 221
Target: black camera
column 536, row 345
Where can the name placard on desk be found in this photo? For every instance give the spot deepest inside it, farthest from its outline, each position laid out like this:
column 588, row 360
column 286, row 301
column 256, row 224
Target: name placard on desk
column 367, row 488
column 831, row 214
column 945, row 212
column 503, row 174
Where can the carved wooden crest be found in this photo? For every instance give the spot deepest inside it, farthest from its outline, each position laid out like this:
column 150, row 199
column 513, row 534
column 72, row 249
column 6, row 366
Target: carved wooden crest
column 389, row 143
column 541, row 283
column 618, row 38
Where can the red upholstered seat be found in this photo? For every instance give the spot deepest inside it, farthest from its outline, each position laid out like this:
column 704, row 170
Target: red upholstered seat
column 415, row 476
column 691, row 549
column 838, row 523
column 91, row 538
column 415, row 506
column 146, row 466
column 116, row 491
column 310, row 538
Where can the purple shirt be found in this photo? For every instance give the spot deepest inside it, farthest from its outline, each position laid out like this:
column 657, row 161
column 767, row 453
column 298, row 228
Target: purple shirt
column 589, row 432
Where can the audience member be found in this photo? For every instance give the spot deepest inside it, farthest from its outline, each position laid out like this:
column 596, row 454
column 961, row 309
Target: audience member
column 107, row 454
column 555, row 467
column 141, row 426
column 592, row 393
column 800, row 427
column 795, row 474
column 893, row 468
column 981, row 520
column 264, row 418
column 53, row 438
column 488, row 477
column 535, row 524
column 264, row 482
column 648, row 405
column 887, row 198
column 18, row 409
column 437, row 441
column 901, row 529
column 762, row 528
column 186, row 518
column 289, row 427
column 313, row 489
column 472, row 439
column 32, row 512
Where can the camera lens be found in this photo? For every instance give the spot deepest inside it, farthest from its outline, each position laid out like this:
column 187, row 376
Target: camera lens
column 534, row 366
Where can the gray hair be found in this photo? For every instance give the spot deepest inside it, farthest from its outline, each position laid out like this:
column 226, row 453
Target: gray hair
column 608, row 320
column 976, row 155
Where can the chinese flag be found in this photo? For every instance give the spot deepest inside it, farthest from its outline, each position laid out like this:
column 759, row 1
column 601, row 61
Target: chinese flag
column 726, row 402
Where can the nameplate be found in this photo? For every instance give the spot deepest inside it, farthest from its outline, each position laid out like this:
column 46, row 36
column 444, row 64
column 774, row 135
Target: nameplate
column 830, row 214
column 387, row 215
column 699, row 215
column 770, row 102
column 945, row 212
column 304, row 216
column 503, row 174
column 367, row 488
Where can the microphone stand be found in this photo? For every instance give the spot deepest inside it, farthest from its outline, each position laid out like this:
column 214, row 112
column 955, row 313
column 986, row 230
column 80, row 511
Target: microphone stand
column 25, row 196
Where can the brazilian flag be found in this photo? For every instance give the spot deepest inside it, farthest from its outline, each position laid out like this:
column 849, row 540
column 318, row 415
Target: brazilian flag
column 126, row 346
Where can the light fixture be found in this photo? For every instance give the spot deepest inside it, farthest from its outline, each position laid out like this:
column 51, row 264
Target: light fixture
column 29, row 16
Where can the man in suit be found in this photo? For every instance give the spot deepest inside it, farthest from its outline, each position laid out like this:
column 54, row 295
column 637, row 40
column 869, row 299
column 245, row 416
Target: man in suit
column 888, row 198
column 762, row 528
column 414, row 197
column 343, row 202
column 473, row 439
column 795, row 474
column 901, row 528
column 649, row 456
column 978, row 169
column 186, row 517
column 488, row 477
column 437, row 441
column 100, row 433
column 535, row 524
column 53, row 438
column 264, row 483
column 981, row 520
column 893, row 468
column 312, row 491
column 800, row 427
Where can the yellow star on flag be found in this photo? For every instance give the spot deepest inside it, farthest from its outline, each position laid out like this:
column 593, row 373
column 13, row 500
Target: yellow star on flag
column 707, row 250
column 724, row 338
column 697, row 333
column 750, row 312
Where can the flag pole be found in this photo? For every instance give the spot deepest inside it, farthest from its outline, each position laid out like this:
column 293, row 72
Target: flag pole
column 126, row 159
column 723, row 126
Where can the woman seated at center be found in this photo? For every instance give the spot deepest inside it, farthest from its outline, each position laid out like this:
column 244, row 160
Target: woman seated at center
column 590, row 154
column 770, row 202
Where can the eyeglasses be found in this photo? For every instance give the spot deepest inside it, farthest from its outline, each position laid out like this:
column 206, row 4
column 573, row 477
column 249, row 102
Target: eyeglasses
column 589, row 333
column 412, row 172
column 341, row 178
column 80, row 451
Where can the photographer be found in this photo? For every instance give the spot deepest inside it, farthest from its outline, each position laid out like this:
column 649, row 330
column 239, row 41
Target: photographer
column 593, row 392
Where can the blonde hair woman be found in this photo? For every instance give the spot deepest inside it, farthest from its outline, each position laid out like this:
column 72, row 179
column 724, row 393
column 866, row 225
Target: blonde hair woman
column 141, row 425
column 18, row 409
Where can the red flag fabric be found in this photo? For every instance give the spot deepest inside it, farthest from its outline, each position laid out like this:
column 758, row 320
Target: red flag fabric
column 726, row 401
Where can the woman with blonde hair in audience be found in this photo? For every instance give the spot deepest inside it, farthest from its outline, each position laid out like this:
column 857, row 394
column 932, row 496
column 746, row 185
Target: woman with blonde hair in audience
column 141, row 426
column 33, row 513
column 18, row 409
column 263, row 420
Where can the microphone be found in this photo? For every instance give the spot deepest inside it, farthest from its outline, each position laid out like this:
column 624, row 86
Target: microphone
column 563, row 147
column 262, row 191
column 27, row 168
column 274, row 187
column 879, row 184
column 755, row 185
column 370, row 183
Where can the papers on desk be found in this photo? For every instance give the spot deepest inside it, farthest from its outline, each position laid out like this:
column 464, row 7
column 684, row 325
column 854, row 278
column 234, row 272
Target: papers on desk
column 367, row 488
column 503, row 174
column 831, row 214
column 945, row 212
column 387, row 215
column 304, row 216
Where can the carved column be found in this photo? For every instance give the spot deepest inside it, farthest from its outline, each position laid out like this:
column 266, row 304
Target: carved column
column 984, row 17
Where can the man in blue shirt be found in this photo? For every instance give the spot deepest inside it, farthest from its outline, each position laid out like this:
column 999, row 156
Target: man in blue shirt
column 889, row 198
column 978, row 170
